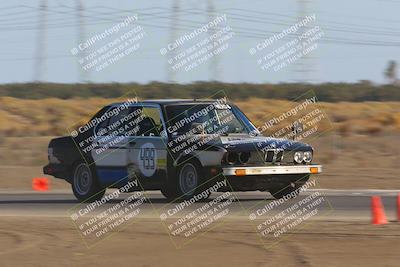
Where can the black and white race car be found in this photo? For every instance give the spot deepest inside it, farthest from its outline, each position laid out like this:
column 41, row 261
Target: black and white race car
column 177, row 146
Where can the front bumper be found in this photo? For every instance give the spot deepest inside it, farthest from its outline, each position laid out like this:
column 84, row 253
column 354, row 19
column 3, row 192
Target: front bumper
column 272, row 170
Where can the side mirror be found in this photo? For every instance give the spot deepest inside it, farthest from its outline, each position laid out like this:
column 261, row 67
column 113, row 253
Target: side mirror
column 297, row 127
column 197, row 128
column 254, row 133
column 163, row 134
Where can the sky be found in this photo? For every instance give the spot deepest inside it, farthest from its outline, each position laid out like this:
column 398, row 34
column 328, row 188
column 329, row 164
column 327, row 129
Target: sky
column 359, row 37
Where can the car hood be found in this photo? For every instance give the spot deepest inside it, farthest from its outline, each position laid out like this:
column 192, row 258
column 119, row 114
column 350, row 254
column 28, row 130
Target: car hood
column 234, row 142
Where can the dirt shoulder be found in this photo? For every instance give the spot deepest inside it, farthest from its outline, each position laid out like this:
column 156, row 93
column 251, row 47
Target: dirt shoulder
column 55, row 242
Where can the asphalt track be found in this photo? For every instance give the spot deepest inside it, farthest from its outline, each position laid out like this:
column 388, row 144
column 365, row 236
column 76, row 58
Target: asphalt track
column 338, row 205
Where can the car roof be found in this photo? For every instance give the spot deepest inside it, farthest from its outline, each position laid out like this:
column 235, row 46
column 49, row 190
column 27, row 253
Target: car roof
column 164, row 102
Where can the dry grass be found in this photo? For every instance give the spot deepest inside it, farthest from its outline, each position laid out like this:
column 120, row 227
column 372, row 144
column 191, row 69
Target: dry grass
column 44, row 117
column 368, row 118
column 49, row 117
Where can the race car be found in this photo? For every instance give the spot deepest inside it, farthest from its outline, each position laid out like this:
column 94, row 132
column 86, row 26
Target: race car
column 177, row 146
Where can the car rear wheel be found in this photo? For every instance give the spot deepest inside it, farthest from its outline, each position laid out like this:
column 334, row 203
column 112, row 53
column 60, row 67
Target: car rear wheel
column 85, row 185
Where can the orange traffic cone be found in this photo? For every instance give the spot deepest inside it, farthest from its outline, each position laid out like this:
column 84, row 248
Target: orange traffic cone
column 40, row 184
column 378, row 213
column 398, row 207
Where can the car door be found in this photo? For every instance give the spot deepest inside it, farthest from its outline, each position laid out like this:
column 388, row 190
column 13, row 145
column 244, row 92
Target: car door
column 147, row 155
column 110, row 153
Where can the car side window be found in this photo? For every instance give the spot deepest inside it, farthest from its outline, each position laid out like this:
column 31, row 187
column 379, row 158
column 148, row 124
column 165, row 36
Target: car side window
column 112, row 125
column 150, row 124
column 101, row 125
column 135, row 121
column 101, row 128
column 116, row 120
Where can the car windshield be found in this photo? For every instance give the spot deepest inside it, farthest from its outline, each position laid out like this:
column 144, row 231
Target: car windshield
column 209, row 118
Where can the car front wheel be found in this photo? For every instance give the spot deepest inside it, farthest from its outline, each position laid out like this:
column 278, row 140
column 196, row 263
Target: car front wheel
column 188, row 179
column 288, row 192
column 186, row 183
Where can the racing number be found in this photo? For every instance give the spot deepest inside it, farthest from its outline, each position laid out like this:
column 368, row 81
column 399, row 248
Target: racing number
column 147, row 155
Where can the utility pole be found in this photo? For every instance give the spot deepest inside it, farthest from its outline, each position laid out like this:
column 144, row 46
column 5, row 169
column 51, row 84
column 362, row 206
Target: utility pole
column 39, row 62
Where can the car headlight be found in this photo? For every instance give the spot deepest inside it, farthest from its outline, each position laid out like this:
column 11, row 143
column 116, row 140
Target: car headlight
column 244, row 157
column 298, row 157
column 308, row 156
column 231, row 158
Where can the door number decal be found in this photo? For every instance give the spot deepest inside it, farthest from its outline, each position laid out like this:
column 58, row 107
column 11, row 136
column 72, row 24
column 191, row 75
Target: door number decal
column 147, row 159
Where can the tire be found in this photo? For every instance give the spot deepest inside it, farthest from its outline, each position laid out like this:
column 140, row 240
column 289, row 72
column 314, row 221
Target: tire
column 185, row 184
column 85, row 185
column 167, row 193
column 289, row 192
column 188, row 179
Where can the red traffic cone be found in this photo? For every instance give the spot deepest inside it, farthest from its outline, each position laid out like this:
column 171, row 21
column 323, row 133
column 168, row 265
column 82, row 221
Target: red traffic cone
column 378, row 213
column 398, row 207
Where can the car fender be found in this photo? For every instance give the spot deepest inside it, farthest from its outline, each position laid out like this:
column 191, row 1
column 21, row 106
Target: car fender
column 211, row 156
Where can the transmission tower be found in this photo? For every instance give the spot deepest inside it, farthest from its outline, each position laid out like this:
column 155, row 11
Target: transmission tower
column 39, row 62
column 83, row 75
column 214, row 62
column 171, row 74
column 304, row 66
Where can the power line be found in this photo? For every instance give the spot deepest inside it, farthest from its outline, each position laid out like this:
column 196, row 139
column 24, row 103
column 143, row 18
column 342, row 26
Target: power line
column 190, row 24
column 366, row 31
column 246, row 30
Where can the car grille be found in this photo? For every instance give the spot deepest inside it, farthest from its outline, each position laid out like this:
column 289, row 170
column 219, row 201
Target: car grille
column 273, row 155
column 270, row 157
column 279, row 156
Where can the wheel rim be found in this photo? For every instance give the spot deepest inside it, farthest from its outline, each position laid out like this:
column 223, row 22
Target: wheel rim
column 188, row 179
column 82, row 179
